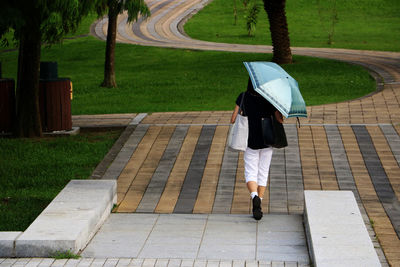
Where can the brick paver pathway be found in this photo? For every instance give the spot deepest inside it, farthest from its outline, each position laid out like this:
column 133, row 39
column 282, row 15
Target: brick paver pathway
column 180, row 163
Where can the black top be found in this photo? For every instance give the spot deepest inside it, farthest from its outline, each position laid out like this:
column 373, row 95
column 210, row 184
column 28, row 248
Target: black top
column 255, row 107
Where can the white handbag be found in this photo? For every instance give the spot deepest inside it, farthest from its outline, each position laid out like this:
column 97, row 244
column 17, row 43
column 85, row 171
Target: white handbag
column 239, row 131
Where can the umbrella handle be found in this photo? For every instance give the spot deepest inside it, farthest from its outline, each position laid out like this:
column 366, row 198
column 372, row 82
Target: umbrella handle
column 298, row 122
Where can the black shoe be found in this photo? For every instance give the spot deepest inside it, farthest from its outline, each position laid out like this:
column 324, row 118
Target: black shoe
column 257, row 212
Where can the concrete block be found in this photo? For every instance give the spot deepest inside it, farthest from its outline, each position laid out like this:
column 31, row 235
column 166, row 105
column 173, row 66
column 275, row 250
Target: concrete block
column 336, row 232
column 7, row 243
column 70, row 220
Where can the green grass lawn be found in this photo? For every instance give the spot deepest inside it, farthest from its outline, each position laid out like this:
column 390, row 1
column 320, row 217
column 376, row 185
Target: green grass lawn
column 160, row 79
column 33, row 171
column 361, row 24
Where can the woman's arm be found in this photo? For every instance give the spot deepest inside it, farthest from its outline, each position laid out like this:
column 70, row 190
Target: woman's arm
column 279, row 116
column 234, row 114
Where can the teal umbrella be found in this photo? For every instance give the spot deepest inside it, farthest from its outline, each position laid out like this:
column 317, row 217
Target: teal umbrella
column 278, row 87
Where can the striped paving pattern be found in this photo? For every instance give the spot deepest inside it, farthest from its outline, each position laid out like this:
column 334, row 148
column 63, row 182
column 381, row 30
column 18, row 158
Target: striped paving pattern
column 184, row 168
column 189, row 169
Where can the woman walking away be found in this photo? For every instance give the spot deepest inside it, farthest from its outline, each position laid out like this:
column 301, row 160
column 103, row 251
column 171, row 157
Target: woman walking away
column 257, row 157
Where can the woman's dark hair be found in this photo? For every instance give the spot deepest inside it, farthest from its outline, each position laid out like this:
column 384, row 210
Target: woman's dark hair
column 250, row 88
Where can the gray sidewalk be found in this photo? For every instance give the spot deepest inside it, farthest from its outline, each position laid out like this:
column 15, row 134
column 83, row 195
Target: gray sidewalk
column 189, row 240
column 278, row 238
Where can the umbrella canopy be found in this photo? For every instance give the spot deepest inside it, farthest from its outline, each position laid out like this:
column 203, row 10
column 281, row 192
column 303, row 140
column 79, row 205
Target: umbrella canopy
column 278, row 87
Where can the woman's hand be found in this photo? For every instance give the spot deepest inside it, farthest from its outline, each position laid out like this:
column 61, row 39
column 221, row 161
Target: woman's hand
column 279, row 116
column 234, row 114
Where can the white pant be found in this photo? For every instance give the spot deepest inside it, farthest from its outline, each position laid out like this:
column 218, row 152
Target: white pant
column 256, row 165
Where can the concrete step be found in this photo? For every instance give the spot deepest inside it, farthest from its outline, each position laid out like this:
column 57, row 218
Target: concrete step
column 69, row 221
column 278, row 238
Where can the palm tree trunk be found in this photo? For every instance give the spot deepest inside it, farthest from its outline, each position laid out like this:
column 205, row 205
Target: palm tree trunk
column 28, row 116
column 279, row 31
column 109, row 69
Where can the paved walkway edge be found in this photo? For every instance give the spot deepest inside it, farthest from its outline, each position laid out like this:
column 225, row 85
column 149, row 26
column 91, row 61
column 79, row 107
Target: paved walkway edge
column 67, row 224
column 105, row 169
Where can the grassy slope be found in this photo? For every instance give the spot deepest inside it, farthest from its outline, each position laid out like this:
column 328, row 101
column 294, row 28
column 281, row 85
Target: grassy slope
column 362, row 24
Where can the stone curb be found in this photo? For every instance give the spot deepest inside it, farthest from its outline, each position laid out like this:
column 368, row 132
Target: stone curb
column 103, row 196
column 335, row 230
column 7, row 241
column 67, row 224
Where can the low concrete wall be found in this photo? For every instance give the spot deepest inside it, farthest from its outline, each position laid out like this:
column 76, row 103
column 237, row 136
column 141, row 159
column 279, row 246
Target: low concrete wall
column 68, row 223
column 7, row 243
column 335, row 230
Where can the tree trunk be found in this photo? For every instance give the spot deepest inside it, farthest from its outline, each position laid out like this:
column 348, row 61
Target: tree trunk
column 28, row 116
column 109, row 70
column 279, row 31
